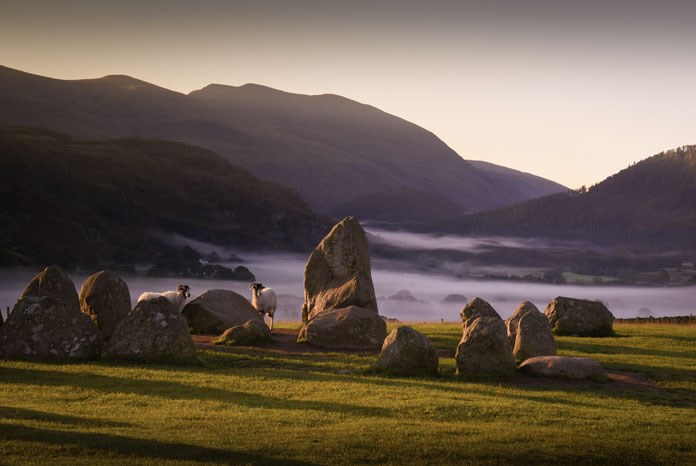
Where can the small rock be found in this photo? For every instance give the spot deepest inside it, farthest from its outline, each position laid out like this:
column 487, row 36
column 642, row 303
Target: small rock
column 408, row 352
column 564, row 367
column 253, row 331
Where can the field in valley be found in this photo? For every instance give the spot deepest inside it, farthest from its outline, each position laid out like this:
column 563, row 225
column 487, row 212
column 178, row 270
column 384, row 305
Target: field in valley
column 264, row 406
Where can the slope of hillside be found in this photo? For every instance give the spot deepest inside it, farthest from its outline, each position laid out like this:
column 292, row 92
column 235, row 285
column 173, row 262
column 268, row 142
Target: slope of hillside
column 399, row 206
column 112, row 200
column 651, row 204
column 330, row 149
column 518, row 184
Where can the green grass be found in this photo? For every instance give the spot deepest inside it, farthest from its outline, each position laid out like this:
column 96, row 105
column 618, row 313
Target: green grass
column 252, row 407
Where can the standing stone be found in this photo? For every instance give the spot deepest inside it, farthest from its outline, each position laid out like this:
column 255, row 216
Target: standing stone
column 408, row 352
column 215, row 311
column 153, row 332
column 534, row 337
column 105, row 298
column 338, row 272
column 484, row 350
column 46, row 323
column 569, row 316
column 476, row 308
column 514, row 320
column 348, row 328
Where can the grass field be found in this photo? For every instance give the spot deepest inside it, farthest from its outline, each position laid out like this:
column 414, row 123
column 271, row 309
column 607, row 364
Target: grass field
column 254, row 407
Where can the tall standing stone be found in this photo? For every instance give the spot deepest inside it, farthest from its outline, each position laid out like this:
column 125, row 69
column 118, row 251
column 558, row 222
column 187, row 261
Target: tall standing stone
column 105, row 298
column 514, row 320
column 338, row 272
column 534, row 337
column 476, row 308
column 484, row 350
column 46, row 324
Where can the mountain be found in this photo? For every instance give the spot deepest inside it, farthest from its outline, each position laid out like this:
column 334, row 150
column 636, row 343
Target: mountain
column 649, row 205
column 330, row 149
column 116, row 200
column 400, row 207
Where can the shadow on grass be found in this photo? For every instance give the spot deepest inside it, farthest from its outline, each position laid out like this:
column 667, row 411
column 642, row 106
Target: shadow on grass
column 134, row 447
column 177, row 391
column 594, row 348
column 7, row 412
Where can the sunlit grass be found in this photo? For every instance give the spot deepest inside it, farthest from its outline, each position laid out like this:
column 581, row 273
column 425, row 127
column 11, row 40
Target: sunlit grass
column 254, row 407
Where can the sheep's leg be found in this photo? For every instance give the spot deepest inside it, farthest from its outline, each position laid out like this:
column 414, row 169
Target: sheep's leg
column 271, row 316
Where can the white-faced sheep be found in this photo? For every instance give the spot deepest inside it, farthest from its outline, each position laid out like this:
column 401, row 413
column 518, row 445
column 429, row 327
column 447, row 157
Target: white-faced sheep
column 177, row 298
column 264, row 300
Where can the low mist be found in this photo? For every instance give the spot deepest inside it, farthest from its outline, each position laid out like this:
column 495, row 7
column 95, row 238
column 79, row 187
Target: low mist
column 426, row 291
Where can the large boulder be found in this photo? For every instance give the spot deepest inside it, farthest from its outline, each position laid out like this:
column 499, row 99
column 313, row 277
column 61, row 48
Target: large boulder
column 338, row 273
column 46, row 323
column 564, row 367
column 408, row 352
column 253, row 331
column 351, row 327
column 476, row 308
column 215, row 311
column 513, row 321
column 534, row 337
column 569, row 316
column 484, row 350
column 105, row 298
column 153, row 332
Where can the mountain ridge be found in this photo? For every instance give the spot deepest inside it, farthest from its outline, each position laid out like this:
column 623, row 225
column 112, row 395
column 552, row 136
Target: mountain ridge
column 648, row 205
column 329, row 148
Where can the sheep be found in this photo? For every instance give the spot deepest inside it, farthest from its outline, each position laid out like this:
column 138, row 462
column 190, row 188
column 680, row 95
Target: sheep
column 177, row 298
column 264, row 300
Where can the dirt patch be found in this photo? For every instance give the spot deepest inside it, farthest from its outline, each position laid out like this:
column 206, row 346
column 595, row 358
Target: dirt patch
column 284, row 342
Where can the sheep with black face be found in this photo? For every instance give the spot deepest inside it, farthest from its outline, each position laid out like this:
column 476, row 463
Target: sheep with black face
column 177, row 298
column 264, row 300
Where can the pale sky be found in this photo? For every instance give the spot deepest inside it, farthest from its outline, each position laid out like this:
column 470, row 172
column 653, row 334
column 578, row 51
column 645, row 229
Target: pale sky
column 572, row 91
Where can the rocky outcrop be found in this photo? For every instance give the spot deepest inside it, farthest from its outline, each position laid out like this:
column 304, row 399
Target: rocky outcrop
column 580, row 317
column 46, row 323
column 338, row 272
column 534, row 337
column 105, row 298
column 564, row 367
column 476, row 308
column 408, row 352
column 153, row 332
column 253, row 331
column 351, row 327
column 484, row 350
column 215, row 311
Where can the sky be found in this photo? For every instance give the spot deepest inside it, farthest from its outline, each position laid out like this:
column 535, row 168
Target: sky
column 573, row 91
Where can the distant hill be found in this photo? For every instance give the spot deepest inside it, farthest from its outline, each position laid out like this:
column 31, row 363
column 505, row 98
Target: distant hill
column 401, row 207
column 330, row 149
column 651, row 204
column 68, row 201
